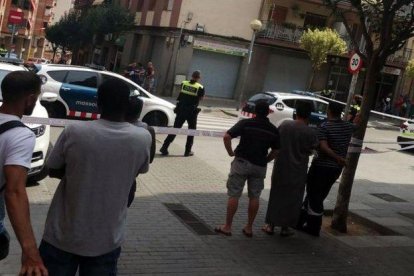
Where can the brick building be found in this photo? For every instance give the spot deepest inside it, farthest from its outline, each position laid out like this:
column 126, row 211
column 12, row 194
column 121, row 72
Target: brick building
column 29, row 38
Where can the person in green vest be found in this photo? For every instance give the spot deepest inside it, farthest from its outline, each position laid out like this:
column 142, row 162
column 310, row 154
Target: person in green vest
column 355, row 108
column 187, row 110
column 3, row 50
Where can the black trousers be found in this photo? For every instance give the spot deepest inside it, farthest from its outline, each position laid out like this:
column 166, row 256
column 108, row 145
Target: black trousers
column 319, row 183
column 183, row 115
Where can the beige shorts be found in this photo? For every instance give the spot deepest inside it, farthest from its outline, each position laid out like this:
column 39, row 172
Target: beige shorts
column 242, row 171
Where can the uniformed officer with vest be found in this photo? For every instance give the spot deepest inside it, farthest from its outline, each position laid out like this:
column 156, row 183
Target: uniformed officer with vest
column 187, row 110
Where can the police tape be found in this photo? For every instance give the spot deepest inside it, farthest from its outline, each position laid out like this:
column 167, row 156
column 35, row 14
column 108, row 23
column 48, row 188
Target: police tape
column 353, row 149
column 158, row 130
column 355, row 143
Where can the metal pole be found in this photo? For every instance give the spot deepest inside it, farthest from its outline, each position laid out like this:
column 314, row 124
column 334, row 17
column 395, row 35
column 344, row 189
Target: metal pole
column 116, row 59
column 246, row 69
column 12, row 39
column 351, row 94
column 177, row 56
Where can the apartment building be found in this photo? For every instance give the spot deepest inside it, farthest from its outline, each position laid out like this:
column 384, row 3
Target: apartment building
column 29, row 36
column 213, row 36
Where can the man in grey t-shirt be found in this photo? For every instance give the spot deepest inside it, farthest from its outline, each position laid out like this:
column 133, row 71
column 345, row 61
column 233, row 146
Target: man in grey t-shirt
column 97, row 163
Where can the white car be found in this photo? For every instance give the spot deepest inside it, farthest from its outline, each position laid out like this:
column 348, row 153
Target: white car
column 406, row 134
column 283, row 106
column 76, row 91
column 42, row 132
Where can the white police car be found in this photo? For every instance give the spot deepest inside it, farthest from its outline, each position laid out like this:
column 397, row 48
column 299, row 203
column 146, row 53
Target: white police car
column 71, row 91
column 42, row 132
column 283, row 105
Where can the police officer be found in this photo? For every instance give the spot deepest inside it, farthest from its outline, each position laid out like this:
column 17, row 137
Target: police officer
column 187, row 110
column 327, row 93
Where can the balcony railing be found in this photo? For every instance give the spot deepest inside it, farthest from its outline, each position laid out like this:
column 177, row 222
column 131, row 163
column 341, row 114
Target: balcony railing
column 401, row 56
column 285, row 31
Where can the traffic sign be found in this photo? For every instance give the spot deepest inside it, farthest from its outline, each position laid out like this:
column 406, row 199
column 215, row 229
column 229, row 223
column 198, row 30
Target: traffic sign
column 16, row 17
column 355, row 63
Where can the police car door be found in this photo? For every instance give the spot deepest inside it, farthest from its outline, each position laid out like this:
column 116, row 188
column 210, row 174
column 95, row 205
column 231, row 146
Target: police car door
column 284, row 110
column 79, row 91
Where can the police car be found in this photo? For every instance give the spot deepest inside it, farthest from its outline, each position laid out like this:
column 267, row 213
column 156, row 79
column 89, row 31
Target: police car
column 406, row 135
column 42, row 132
column 283, row 105
column 71, row 91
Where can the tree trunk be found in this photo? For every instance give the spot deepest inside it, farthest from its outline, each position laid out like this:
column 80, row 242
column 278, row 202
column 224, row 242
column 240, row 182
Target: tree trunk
column 345, row 187
column 311, row 79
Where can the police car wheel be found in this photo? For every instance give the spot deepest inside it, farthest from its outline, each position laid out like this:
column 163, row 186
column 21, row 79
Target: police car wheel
column 56, row 110
column 156, row 118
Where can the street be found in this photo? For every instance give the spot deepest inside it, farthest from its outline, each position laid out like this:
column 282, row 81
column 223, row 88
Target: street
column 158, row 242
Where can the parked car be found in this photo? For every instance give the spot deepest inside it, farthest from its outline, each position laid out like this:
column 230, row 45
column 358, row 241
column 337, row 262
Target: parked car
column 406, row 135
column 42, row 132
column 71, row 91
column 38, row 61
column 283, row 105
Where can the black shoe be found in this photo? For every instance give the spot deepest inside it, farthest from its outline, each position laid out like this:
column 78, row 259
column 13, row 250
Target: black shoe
column 311, row 232
column 188, row 153
column 164, row 151
column 4, row 245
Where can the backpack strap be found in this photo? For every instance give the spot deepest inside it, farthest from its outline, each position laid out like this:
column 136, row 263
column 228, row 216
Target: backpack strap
column 9, row 125
column 5, row 127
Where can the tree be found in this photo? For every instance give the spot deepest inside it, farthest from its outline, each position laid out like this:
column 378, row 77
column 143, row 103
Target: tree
column 320, row 43
column 386, row 26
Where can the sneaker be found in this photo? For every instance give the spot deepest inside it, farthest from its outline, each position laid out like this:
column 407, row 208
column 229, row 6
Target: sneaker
column 164, row 151
column 188, row 153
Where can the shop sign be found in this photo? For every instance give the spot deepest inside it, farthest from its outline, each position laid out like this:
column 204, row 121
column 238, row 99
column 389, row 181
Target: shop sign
column 220, row 48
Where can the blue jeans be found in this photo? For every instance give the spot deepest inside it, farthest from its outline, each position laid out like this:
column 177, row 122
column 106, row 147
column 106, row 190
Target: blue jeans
column 61, row 263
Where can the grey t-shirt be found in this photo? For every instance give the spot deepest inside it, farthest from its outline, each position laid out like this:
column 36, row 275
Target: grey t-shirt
column 87, row 215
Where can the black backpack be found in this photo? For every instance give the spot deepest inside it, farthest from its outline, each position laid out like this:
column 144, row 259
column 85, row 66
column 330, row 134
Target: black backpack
column 4, row 237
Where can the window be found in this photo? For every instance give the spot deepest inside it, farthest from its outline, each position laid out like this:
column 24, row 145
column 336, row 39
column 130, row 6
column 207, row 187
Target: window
column 263, row 97
column 320, row 107
column 82, row 78
column 133, row 89
column 314, row 21
column 278, row 14
column 301, row 101
column 290, row 103
column 57, row 75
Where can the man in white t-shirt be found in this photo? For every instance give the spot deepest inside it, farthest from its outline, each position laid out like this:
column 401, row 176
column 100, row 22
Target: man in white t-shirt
column 20, row 90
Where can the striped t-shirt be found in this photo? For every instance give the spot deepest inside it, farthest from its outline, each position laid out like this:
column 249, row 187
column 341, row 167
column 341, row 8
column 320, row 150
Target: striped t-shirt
column 338, row 134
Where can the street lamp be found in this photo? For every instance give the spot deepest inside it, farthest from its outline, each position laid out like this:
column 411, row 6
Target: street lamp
column 256, row 25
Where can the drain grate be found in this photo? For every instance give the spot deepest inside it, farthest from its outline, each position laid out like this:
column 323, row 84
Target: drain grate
column 407, row 215
column 389, row 198
column 189, row 219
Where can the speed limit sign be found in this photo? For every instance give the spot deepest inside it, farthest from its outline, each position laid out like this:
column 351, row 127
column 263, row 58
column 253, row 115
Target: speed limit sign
column 355, row 63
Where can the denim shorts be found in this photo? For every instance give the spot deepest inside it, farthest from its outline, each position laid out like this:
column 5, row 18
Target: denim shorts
column 242, row 171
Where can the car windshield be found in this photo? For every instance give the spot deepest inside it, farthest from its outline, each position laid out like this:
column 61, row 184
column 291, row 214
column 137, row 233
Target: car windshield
column 3, row 73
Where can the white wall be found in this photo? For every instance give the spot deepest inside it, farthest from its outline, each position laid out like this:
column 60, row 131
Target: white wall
column 222, row 17
column 61, row 7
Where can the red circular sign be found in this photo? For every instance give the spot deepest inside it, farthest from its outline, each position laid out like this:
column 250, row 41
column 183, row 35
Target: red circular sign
column 355, row 63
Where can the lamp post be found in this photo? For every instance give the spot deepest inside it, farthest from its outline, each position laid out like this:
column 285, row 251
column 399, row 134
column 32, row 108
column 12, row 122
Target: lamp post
column 256, row 25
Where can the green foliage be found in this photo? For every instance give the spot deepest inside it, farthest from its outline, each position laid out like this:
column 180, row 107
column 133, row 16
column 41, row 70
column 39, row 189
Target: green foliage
column 75, row 29
column 320, row 43
column 409, row 70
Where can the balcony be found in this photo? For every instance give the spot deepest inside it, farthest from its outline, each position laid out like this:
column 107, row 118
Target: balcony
column 285, row 31
column 401, row 57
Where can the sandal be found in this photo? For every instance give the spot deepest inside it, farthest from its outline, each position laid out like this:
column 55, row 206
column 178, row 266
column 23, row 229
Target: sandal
column 221, row 231
column 268, row 229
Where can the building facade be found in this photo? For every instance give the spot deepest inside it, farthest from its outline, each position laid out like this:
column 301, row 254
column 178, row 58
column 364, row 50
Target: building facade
column 180, row 36
column 29, row 35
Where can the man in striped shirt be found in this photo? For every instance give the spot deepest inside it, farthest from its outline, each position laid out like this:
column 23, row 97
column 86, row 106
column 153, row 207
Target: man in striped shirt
column 334, row 137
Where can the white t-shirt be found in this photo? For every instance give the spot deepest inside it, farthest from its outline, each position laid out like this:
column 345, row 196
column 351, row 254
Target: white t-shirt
column 16, row 146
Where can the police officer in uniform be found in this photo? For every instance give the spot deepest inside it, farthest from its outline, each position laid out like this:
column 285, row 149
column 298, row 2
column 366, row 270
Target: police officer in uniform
column 355, row 108
column 187, row 110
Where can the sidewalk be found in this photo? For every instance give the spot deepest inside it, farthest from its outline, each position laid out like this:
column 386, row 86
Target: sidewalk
column 158, row 243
